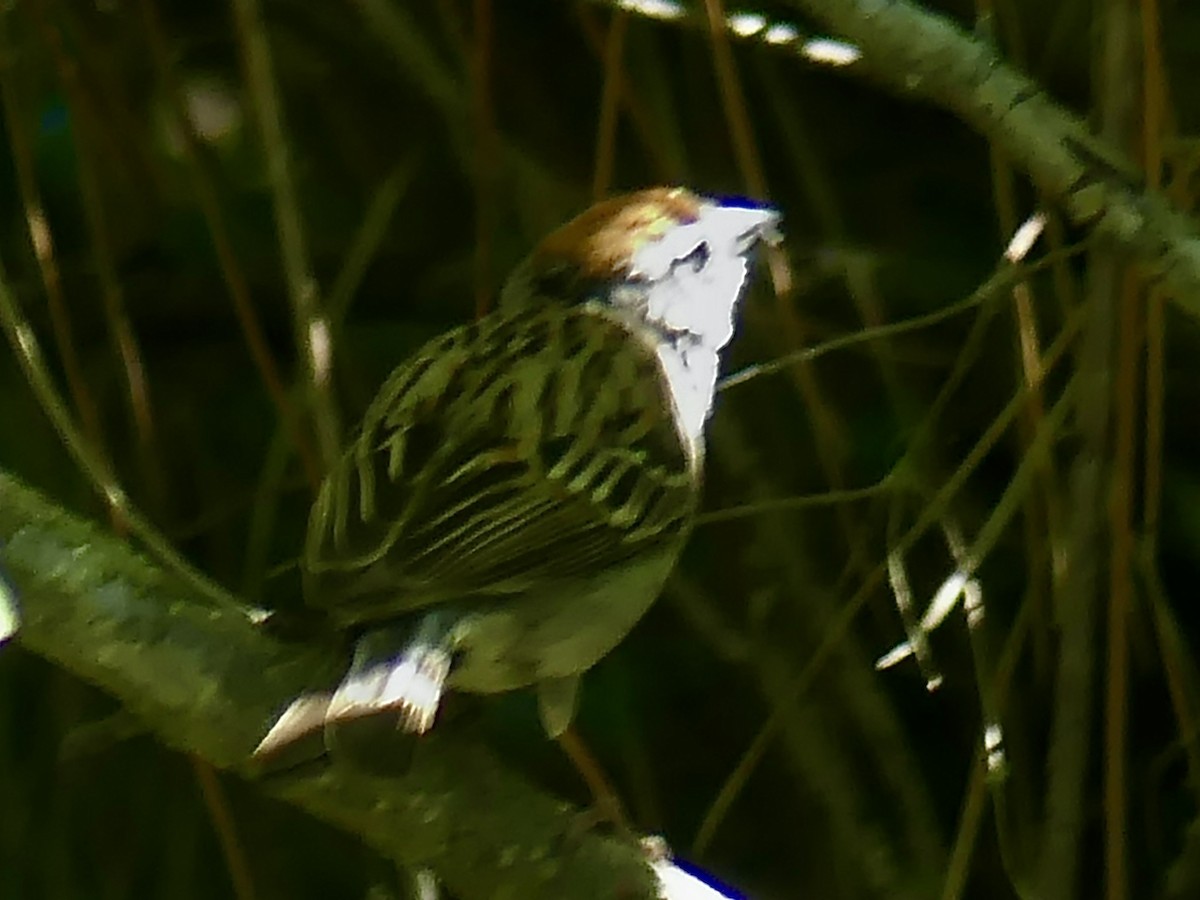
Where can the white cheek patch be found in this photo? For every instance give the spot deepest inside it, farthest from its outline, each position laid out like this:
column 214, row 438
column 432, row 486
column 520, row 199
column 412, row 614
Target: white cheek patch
column 725, row 228
column 653, row 260
column 701, row 303
column 692, row 296
column 692, row 376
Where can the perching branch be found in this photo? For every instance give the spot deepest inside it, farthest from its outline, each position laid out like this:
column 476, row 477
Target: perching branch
column 207, row 681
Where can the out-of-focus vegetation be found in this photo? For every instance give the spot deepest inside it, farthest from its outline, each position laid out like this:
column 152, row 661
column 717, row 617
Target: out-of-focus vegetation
column 174, row 204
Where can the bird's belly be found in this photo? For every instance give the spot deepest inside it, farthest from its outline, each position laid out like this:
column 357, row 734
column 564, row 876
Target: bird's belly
column 558, row 634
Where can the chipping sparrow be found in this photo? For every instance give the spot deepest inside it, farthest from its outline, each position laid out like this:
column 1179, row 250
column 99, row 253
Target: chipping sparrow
column 521, row 487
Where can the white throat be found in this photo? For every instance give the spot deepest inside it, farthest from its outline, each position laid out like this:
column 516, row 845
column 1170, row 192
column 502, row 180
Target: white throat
column 681, row 295
column 692, row 376
column 688, row 319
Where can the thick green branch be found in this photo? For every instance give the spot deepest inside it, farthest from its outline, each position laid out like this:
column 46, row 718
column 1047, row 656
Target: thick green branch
column 924, row 55
column 207, row 681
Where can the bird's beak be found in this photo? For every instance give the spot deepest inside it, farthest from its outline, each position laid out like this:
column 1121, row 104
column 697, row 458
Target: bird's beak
column 751, row 223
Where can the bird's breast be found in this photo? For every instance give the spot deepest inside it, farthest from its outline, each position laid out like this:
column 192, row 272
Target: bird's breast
column 559, row 633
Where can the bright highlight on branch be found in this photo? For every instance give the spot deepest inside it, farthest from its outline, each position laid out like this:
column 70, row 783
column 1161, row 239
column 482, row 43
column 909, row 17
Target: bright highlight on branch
column 746, row 25
column 993, row 748
column 10, row 617
column 831, row 52
column 1025, row 237
column 654, row 9
column 782, row 34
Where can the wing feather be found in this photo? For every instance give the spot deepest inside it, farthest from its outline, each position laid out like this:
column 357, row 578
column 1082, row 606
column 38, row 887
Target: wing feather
column 511, row 455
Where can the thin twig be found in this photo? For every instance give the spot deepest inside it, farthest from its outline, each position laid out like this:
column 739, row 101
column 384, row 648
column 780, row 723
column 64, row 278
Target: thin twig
column 112, row 294
column 221, row 815
column 983, row 775
column 1043, row 521
column 1004, row 276
column 310, row 325
column 95, row 468
column 754, row 752
column 1183, row 681
column 792, row 504
column 648, row 127
column 42, row 240
column 610, row 96
column 227, row 259
column 1155, row 103
column 485, row 153
column 367, row 240
column 826, row 425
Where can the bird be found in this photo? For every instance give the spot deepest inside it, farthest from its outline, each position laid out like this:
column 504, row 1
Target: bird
column 521, row 487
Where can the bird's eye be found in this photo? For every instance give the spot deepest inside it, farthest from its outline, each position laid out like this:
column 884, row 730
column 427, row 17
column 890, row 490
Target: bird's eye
column 698, row 258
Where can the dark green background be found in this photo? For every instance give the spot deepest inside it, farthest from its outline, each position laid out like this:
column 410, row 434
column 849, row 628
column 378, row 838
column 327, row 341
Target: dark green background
column 860, row 796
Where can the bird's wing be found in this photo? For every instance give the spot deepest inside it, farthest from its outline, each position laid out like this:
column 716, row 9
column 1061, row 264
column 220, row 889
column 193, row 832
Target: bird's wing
column 511, row 454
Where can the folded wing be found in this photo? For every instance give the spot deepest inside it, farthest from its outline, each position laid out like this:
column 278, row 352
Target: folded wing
column 511, row 455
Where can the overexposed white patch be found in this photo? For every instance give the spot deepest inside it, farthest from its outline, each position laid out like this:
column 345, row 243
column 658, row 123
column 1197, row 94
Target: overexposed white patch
column 692, row 375
column 10, row 616
column 695, row 275
column 726, row 228
column 411, row 686
column 1024, row 237
column 900, row 652
column 39, row 232
column 425, row 885
column 697, row 271
column 944, row 600
column 700, row 302
column 831, row 52
column 675, row 882
column 746, row 24
column 781, row 33
column 993, row 747
column 320, row 348
column 305, row 715
column 415, row 688
column 655, row 9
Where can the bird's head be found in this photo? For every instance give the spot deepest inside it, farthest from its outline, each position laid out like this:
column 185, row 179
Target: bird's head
column 664, row 258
